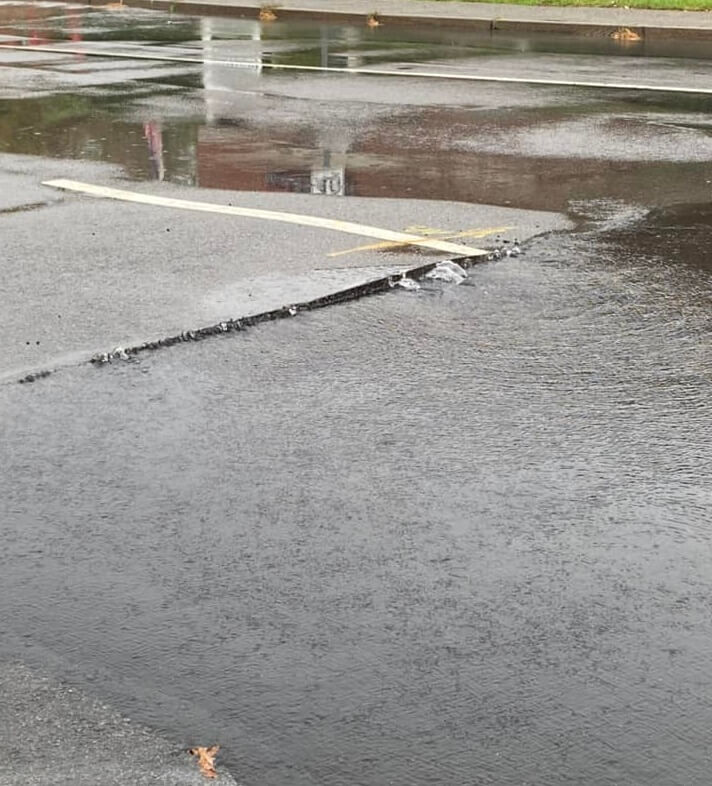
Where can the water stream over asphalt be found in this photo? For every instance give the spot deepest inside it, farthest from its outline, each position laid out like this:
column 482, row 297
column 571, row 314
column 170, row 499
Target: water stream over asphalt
column 448, row 536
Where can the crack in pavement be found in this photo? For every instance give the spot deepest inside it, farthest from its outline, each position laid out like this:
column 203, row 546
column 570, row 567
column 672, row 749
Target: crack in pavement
column 238, row 324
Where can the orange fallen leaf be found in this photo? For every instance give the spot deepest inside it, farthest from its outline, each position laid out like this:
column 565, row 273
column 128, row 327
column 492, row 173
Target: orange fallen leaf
column 372, row 20
column 625, row 34
column 267, row 14
column 206, row 759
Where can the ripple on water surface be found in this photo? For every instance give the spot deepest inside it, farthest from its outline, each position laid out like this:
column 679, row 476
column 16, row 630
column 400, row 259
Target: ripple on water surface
column 452, row 536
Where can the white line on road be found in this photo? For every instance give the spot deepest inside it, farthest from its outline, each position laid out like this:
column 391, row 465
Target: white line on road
column 271, row 215
column 363, row 71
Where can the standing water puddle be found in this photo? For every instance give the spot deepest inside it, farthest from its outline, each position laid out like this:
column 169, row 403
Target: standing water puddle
column 250, row 128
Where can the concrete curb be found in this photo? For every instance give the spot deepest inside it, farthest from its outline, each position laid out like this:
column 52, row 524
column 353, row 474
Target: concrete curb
column 484, row 24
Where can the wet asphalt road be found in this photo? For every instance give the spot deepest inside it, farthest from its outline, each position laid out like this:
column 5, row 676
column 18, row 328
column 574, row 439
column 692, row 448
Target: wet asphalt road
column 101, row 284
column 449, row 536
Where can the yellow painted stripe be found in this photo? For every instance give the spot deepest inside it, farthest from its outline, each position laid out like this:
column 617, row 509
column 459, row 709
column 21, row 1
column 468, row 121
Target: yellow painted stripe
column 319, row 222
column 443, row 236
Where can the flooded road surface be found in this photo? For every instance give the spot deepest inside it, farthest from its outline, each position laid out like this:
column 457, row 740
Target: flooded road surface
column 448, row 536
column 452, row 536
column 227, row 119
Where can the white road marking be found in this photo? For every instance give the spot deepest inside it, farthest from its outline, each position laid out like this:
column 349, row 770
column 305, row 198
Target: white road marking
column 365, row 71
column 349, row 227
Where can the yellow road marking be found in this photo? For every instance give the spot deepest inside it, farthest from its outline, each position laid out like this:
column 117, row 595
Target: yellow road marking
column 429, row 233
column 418, row 229
column 349, row 227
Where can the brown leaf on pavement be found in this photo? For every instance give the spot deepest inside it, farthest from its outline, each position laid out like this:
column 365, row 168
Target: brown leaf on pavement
column 206, row 759
column 625, row 34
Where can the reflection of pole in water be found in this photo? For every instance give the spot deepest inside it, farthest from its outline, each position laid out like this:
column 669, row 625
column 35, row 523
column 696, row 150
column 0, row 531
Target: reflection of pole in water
column 74, row 25
column 324, row 36
column 153, row 135
column 229, row 64
column 353, row 39
column 37, row 35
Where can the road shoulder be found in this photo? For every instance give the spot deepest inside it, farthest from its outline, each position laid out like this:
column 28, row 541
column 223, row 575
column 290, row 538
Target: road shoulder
column 53, row 734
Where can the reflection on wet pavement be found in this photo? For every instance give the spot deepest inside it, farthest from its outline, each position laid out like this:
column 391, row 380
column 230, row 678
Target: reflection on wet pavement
column 245, row 128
